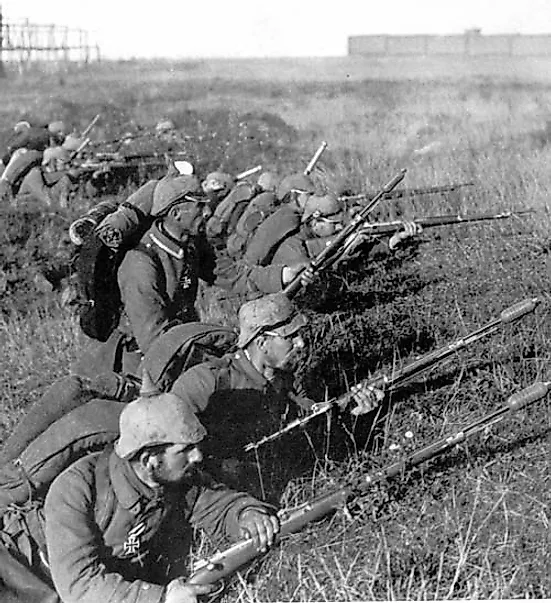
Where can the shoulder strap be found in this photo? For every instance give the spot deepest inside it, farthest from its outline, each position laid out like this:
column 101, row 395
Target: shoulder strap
column 104, row 505
column 147, row 250
column 150, row 253
column 223, row 378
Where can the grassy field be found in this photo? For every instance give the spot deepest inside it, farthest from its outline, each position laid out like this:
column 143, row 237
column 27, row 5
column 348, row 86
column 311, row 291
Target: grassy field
column 472, row 524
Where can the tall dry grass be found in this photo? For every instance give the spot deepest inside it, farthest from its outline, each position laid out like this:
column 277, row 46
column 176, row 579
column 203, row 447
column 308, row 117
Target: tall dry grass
column 475, row 523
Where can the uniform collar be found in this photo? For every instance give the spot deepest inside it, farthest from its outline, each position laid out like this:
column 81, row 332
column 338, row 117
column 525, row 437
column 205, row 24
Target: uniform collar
column 158, row 236
column 247, row 367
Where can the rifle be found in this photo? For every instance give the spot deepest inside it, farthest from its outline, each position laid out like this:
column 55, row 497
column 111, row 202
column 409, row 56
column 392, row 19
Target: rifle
column 89, row 127
column 312, row 163
column 384, row 228
column 389, row 383
column 224, row 564
column 118, row 156
column 331, row 253
column 107, row 161
column 408, row 192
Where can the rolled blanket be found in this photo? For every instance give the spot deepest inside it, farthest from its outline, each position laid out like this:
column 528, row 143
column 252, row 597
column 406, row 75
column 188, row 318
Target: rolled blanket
column 122, row 225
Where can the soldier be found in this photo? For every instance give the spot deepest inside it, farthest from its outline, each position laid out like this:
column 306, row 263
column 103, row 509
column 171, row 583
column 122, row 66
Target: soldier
column 216, row 186
column 25, row 151
column 158, row 278
column 243, row 395
column 230, row 200
column 292, row 192
column 261, row 206
column 117, row 525
column 165, row 127
column 53, row 181
column 323, row 217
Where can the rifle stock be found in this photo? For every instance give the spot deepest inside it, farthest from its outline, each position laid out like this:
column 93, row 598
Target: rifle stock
column 389, row 383
column 330, row 254
column 224, row 564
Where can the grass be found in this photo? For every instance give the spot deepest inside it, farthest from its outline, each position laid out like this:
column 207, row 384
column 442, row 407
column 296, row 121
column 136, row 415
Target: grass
column 473, row 523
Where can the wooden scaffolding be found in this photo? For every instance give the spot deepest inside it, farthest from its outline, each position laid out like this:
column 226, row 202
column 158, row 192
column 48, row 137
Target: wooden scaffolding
column 24, row 42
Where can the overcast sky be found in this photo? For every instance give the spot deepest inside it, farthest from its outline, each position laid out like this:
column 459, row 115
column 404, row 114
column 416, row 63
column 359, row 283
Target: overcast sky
column 244, row 28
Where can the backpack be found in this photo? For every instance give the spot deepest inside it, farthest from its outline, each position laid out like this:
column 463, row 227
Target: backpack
column 269, row 235
column 85, row 429
column 258, row 209
column 229, row 210
column 96, row 266
column 184, row 346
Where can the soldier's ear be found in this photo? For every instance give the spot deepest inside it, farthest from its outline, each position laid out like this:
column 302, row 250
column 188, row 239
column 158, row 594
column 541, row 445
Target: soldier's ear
column 174, row 212
column 261, row 342
column 148, row 459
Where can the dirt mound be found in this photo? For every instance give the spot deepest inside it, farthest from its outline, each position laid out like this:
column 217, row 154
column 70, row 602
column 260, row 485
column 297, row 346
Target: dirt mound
column 36, row 256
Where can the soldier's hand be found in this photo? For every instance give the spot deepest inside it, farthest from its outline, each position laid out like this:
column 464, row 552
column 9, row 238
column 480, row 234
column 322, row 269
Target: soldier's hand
column 180, row 591
column 410, row 229
column 74, row 173
column 260, row 526
column 290, row 272
column 366, row 397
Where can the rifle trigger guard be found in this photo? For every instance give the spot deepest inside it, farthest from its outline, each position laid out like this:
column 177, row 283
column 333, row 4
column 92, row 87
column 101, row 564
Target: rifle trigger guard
column 220, row 585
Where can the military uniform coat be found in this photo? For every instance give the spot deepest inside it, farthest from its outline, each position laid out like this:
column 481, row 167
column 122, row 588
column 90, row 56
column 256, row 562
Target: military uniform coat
column 268, row 236
column 236, row 403
column 159, row 287
column 112, row 538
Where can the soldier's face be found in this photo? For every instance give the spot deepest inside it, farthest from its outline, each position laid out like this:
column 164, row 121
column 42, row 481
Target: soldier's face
column 326, row 227
column 281, row 350
column 177, row 464
column 191, row 216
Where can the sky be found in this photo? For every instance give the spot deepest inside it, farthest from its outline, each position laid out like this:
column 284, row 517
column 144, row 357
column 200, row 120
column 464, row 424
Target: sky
column 264, row 28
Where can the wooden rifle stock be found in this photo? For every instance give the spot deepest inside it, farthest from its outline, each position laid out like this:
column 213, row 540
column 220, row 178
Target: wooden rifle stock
column 224, row 564
column 389, row 383
column 326, row 257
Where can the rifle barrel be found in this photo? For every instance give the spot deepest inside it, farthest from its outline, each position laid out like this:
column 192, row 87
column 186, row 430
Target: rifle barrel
column 382, row 228
column 409, row 192
column 507, row 316
column 525, row 397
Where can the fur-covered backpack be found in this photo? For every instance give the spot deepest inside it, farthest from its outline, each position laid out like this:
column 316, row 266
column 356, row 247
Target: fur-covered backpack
column 99, row 256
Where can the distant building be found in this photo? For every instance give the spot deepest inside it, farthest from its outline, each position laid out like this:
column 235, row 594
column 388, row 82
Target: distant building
column 470, row 43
